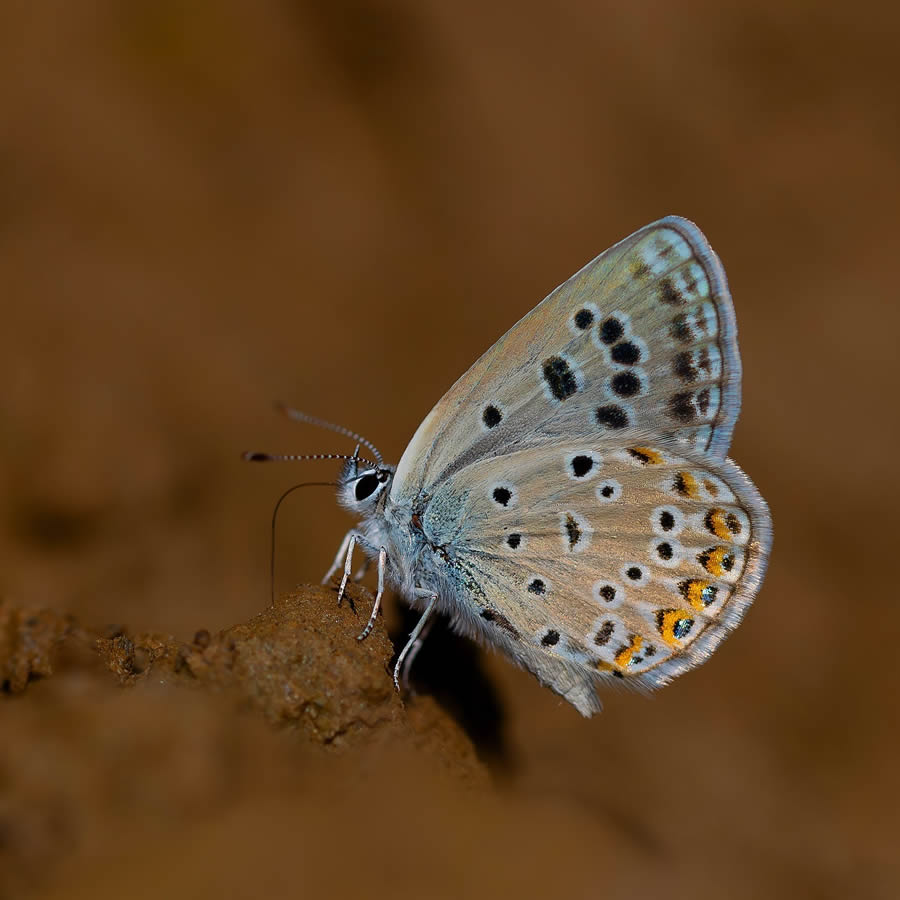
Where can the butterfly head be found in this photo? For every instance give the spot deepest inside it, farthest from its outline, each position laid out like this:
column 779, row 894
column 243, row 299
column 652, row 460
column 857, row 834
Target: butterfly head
column 361, row 485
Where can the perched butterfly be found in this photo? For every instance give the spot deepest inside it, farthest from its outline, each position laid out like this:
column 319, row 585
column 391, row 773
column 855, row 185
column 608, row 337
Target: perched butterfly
column 569, row 500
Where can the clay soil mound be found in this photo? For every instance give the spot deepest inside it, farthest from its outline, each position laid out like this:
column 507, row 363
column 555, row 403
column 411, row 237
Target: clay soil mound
column 114, row 738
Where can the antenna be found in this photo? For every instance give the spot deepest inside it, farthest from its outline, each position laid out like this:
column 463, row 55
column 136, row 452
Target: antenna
column 253, row 456
column 298, row 416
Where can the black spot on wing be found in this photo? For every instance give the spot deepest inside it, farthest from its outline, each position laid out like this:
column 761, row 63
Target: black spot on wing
column 611, row 330
column 705, row 361
column 604, row 633
column 626, row 384
column 681, row 329
column 491, row 416
column 492, row 616
column 560, row 378
column 681, row 407
column 683, row 366
column 583, row 319
column 581, row 465
column 612, row 416
column 607, row 490
column 626, row 353
column 573, row 531
column 551, row 638
column 703, row 400
column 669, row 294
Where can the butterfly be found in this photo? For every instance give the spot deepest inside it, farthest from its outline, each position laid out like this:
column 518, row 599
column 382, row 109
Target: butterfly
column 569, row 500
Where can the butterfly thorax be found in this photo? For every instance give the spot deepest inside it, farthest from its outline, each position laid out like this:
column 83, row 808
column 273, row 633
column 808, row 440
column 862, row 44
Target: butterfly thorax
column 416, row 559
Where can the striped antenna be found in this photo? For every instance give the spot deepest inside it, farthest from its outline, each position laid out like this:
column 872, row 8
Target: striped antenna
column 252, row 456
column 298, row 416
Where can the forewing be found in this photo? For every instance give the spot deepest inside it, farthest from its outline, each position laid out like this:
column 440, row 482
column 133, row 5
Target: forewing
column 641, row 339
column 620, row 563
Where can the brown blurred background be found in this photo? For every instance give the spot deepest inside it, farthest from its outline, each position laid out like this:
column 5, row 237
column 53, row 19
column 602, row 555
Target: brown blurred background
column 205, row 208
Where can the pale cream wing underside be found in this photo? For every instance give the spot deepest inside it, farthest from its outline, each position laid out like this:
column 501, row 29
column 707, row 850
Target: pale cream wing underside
column 625, row 563
column 641, row 339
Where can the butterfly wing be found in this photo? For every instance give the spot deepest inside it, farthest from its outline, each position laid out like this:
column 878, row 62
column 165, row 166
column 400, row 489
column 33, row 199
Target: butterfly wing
column 585, row 561
column 641, row 339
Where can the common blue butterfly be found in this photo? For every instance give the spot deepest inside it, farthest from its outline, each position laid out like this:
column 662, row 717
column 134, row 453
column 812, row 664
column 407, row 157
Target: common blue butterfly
column 569, row 500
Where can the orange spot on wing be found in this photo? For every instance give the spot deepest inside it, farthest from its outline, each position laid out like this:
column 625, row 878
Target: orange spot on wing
column 686, row 485
column 647, row 456
column 624, row 656
column 711, row 487
column 717, row 560
column 667, row 619
column 715, row 522
column 693, row 591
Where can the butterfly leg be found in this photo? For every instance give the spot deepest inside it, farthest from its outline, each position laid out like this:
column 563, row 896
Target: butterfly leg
column 348, row 565
column 408, row 652
column 341, row 555
column 382, row 562
column 413, row 653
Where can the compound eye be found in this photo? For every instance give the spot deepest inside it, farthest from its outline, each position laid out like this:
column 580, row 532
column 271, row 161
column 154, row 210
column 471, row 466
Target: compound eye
column 366, row 486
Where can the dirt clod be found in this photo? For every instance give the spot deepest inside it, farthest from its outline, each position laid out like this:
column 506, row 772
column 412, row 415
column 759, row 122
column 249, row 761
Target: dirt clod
column 27, row 641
